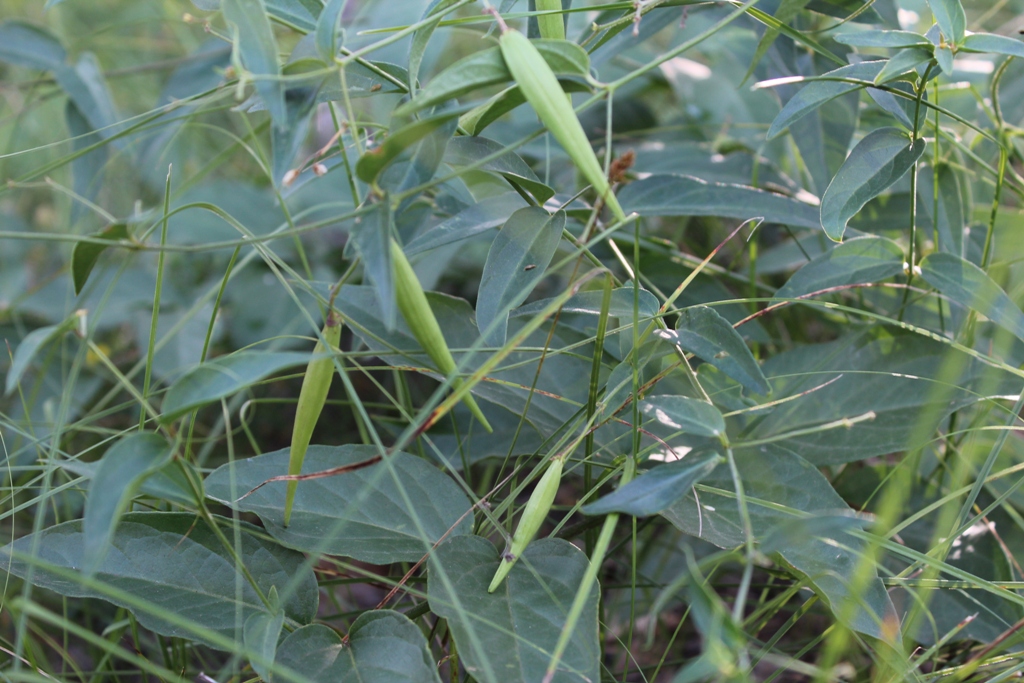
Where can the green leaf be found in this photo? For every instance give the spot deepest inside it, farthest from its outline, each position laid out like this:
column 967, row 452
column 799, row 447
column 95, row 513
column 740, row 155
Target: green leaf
column 949, row 15
column 951, row 218
column 970, row 286
column 261, row 633
column 88, row 171
column 468, row 150
column 682, row 415
column 418, row 46
column 483, row 115
column 944, row 57
column 589, row 303
column 677, row 195
column 386, row 512
column 875, row 164
column 287, row 140
column 782, row 487
column 657, row 489
column 383, row 647
column 856, row 261
column 820, row 90
column 485, row 215
column 487, row 68
column 85, row 254
column 710, row 337
column 224, row 376
column 329, row 34
column 120, row 472
column 168, row 483
column 374, row 161
column 257, row 50
column 372, row 239
column 993, row 44
column 884, row 39
column 508, row 636
column 29, row 347
column 516, row 262
column 30, row 46
column 171, row 572
column 902, row 62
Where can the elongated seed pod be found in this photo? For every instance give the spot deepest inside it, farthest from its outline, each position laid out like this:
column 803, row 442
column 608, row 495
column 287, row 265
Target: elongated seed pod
column 545, row 95
column 534, row 514
column 551, row 26
column 413, row 304
column 312, row 396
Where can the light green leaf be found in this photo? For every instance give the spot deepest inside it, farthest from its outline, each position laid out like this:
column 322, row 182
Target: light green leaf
column 883, row 38
column 875, row 164
column 678, row 195
column 508, row 636
column 30, row 46
column 709, row 336
column 658, row 488
column 856, row 261
column 949, row 15
column 682, row 415
column 257, row 50
column 993, row 44
column 944, row 57
column 174, row 566
column 516, row 262
column 329, row 33
column 382, row 513
column 821, row 90
column 468, row 150
column 383, row 647
column 970, row 286
column 120, row 472
column 902, row 62
column 224, row 376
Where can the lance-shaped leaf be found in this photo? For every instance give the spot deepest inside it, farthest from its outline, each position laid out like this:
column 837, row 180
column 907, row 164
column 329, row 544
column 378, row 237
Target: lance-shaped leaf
column 372, row 239
column 374, row 161
column 949, row 15
column 486, row 215
column 257, row 50
column 657, row 489
column 970, row 286
column 902, row 62
column 856, row 261
column 30, row 346
column 468, row 151
column 516, row 262
column 993, row 44
column 819, row 91
column 884, row 39
column 948, row 206
column 329, row 33
column 875, row 164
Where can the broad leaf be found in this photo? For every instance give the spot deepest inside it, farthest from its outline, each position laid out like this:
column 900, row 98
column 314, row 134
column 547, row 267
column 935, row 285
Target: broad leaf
column 172, row 573
column 706, row 334
column 993, row 44
column 657, row 489
column 971, row 287
column 781, row 487
column 386, row 512
column 120, row 472
column 508, row 636
column 949, row 15
column 856, row 261
column 677, row 195
column 257, row 50
column 30, row 46
column 224, row 376
column 875, row 164
column 468, row 151
column 383, row 647
column 683, row 415
column 517, row 261
column 819, row 91
column 487, row 214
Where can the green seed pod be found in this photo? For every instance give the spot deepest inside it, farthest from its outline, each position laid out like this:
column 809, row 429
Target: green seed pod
column 415, row 308
column 545, row 95
column 551, row 26
column 534, row 514
column 312, row 396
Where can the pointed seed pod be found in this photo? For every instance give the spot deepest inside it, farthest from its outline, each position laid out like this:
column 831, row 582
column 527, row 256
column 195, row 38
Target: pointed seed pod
column 312, row 396
column 534, row 514
column 541, row 89
column 415, row 308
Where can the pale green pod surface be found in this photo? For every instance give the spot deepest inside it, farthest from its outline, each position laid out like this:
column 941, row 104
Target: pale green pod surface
column 312, row 396
column 534, row 514
column 551, row 25
column 545, row 95
column 415, row 309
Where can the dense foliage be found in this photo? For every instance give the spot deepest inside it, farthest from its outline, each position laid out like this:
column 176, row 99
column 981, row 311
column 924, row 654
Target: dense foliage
column 341, row 348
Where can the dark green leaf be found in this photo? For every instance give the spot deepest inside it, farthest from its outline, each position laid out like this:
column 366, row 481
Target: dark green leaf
column 258, row 51
column 372, row 239
column 682, row 415
column 485, row 215
column 467, row 151
column 224, row 376
column 902, row 62
column 29, row 347
column 507, row 636
column 88, row 170
column 391, row 511
column 483, row 115
column 30, row 46
column 517, row 261
column 589, row 303
column 169, row 483
column 883, row 38
column 287, row 140
column 374, row 161
column 970, row 286
column 949, row 15
column 417, row 164
column 879, row 160
column 657, row 489
column 171, row 572
column 383, row 647
column 856, row 261
column 677, row 195
column 951, row 217
column 261, row 633
column 709, row 336
column 818, row 92
column 993, row 44
column 120, row 472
